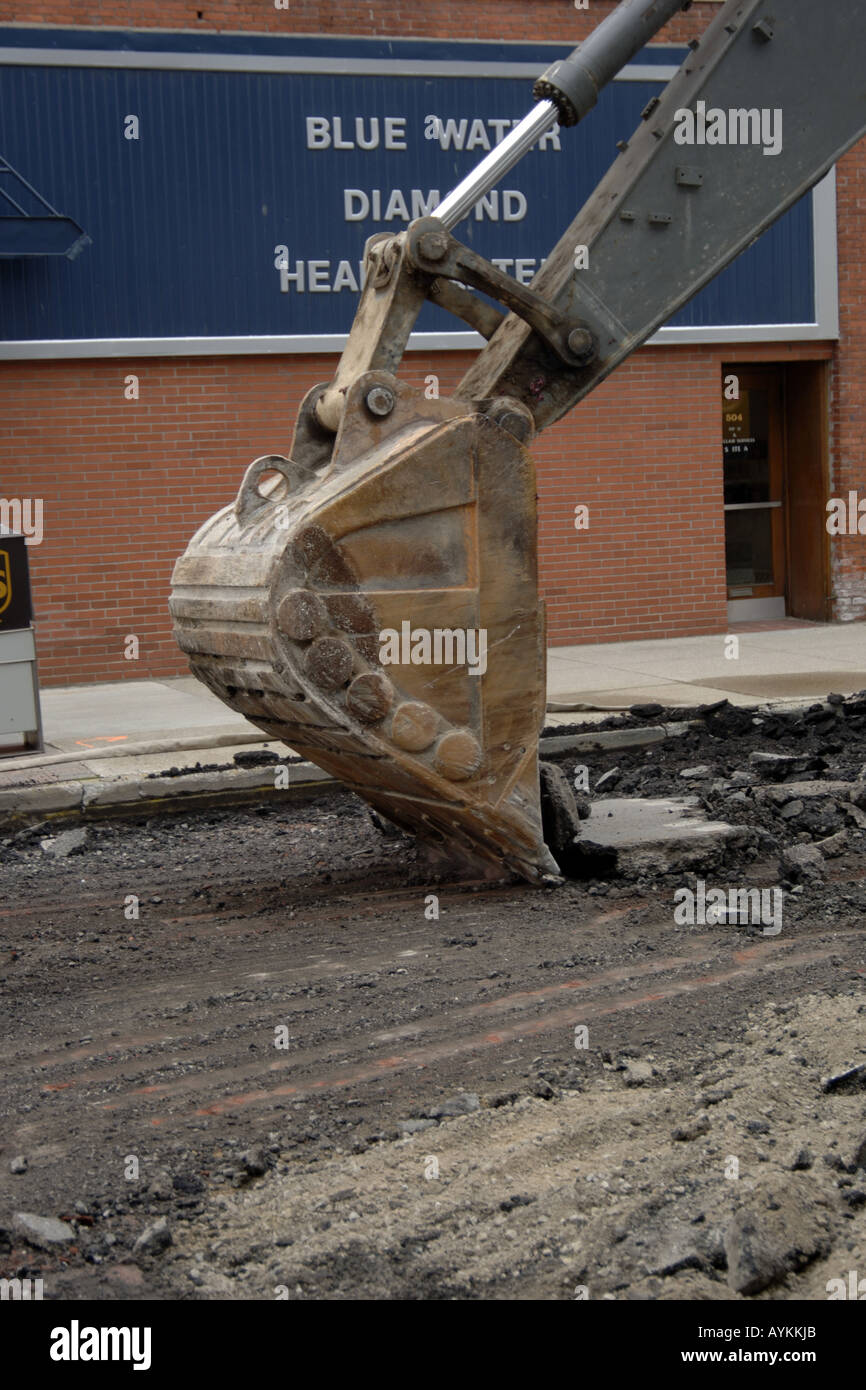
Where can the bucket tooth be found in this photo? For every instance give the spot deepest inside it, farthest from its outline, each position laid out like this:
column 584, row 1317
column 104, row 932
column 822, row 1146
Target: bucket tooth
column 381, row 617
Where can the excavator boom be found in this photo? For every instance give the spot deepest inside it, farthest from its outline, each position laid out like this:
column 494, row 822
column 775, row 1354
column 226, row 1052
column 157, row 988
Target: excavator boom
column 770, row 98
column 372, row 600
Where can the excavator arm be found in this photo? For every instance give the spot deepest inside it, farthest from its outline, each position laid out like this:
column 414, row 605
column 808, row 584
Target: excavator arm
column 670, row 215
column 372, row 600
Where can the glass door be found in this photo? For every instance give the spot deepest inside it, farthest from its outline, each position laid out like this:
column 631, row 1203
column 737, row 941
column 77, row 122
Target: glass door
column 753, row 443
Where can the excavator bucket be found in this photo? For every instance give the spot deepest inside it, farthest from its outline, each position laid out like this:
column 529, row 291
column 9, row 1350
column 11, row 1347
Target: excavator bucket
column 373, row 603
column 372, row 600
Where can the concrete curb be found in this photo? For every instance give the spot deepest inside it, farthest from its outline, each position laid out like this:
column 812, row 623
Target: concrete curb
column 613, row 738
column 143, row 749
column 123, row 796
column 127, row 795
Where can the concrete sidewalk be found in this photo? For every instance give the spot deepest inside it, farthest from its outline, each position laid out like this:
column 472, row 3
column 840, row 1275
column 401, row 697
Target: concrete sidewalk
column 131, row 730
column 789, row 661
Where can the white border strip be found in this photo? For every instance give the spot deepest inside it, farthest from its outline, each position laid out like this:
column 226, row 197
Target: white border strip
column 203, row 347
column 263, row 62
column 826, row 249
column 330, row 344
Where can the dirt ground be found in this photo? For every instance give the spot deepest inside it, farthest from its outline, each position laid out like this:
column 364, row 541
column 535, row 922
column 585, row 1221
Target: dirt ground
column 288, row 1077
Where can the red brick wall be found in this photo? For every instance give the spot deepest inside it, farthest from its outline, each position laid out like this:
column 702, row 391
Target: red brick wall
column 472, row 19
column 647, row 462
column 125, row 483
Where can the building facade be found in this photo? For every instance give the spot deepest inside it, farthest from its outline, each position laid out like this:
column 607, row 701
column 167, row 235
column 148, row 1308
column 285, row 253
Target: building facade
column 217, row 169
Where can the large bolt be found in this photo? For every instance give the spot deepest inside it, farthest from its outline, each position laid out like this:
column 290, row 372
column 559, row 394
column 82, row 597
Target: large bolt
column 433, row 246
column 513, row 417
column 516, row 425
column 580, row 342
column 380, row 400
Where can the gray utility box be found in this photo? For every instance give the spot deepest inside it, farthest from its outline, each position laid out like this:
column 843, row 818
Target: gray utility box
column 19, row 685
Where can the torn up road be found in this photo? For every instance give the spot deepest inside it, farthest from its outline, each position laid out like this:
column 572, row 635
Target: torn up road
column 250, row 1061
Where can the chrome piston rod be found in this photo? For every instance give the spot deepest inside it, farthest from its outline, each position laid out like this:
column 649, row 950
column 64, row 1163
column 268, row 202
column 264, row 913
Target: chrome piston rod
column 462, row 199
column 574, row 83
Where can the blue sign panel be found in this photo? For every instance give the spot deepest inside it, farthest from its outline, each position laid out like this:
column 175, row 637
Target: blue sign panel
column 228, row 185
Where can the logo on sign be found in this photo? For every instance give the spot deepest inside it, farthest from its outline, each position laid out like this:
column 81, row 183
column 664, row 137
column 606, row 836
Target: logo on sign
column 5, row 581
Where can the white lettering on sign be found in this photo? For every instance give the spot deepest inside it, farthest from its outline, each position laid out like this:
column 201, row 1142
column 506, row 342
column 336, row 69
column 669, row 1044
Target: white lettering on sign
column 389, row 132
column 395, row 133
column 393, row 204
column 332, row 277
column 315, row 277
column 401, row 205
column 359, row 205
column 318, row 270
column 513, row 206
column 465, row 133
column 360, row 132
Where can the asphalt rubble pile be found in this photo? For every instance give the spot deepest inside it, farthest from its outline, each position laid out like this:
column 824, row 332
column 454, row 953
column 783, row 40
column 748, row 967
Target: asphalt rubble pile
column 796, row 778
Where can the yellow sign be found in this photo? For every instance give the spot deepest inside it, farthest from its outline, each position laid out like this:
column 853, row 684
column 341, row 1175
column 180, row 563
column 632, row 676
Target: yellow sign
column 736, row 419
column 5, row 581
